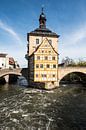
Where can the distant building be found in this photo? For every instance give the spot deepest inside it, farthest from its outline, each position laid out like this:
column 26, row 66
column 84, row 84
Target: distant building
column 4, row 61
column 42, row 55
column 7, row 62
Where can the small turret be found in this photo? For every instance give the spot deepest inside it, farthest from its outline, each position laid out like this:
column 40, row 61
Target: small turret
column 42, row 20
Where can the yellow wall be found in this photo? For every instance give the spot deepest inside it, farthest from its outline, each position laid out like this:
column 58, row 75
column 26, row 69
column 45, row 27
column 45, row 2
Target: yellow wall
column 48, row 71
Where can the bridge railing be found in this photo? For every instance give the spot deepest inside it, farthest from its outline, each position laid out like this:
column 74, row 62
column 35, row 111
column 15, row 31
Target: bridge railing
column 76, row 67
column 2, row 71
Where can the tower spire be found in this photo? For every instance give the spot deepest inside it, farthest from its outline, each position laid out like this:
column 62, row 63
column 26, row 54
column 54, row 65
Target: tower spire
column 42, row 9
column 42, row 19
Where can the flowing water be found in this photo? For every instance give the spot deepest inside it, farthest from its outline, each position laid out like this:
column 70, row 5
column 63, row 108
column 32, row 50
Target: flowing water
column 32, row 109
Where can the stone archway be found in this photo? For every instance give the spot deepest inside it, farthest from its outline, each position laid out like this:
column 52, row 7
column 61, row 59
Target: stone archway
column 73, row 77
column 10, row 77
column 63, row 71
column 16, row 72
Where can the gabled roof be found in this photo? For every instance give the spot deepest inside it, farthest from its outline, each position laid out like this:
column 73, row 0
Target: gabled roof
column 41, row 44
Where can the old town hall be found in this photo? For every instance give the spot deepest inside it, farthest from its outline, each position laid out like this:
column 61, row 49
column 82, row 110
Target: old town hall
column 42, row 56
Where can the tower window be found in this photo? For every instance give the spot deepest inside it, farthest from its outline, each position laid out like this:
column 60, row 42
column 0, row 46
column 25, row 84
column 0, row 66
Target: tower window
column 44, row 75
column 48, row 66
column 54, row 66
column 37, row 65
column 41, row 65
column 38, row 57
column 53, row 75
column 50, row 41
column 53, row 58
column 42, row 51
column 37, row 41
column 36, row 75
column 46, row 58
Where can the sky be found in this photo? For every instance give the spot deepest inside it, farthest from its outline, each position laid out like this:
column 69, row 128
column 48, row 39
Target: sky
column 65, row 17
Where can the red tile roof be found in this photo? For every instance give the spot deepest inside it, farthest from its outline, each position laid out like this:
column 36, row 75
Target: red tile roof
column 11, row 61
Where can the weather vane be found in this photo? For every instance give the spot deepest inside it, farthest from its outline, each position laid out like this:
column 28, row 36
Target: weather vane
column 42, row 8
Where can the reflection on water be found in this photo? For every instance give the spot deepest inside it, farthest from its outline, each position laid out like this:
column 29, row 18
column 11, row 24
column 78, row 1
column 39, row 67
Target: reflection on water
column 32, row 109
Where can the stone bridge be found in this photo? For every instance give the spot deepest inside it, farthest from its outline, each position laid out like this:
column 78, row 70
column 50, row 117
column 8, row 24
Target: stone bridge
column 19, row 72
column 63, row 71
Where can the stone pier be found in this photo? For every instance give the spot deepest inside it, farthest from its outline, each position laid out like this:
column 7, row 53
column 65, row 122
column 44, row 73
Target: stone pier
column 6, row 78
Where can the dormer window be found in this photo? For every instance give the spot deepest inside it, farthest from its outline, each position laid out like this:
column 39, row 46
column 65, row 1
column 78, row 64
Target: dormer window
column 37, row 41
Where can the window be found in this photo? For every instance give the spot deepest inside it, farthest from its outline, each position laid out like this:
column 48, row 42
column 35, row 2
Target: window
column 44, row 75
column 54, row 66
column 53, row 75
column 2, row 64
column 37, row 41
column 37, row 65
column 50, row 41
column 42, row 51
column 46, row 45
column 46, row 58
column 53, row 58
column 38, row 57
column 41, row 65
column 48, row 66
column 36, row 75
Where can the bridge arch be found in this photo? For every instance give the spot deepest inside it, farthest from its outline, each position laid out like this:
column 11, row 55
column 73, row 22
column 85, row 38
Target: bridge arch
column 10, row 73
column 64, row 72
column 76, row 72
column 10, row 77
column 5, row 73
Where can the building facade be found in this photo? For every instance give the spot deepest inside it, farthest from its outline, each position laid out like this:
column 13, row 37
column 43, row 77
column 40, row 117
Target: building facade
column 4, row 61
column 42, row 56
column 7, row 62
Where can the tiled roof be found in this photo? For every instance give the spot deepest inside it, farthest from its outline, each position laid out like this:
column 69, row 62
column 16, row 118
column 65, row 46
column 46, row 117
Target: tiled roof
column 43, row 32
column 11, row 61
column 3, row 55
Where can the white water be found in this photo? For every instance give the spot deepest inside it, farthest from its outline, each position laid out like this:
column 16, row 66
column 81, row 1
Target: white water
column 32, row 109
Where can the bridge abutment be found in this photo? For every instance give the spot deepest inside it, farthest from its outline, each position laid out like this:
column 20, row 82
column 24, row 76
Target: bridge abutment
column 57, row 84
column 6, row 78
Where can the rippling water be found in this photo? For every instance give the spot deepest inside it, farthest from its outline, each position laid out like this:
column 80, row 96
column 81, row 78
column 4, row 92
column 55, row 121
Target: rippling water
column 32, row 109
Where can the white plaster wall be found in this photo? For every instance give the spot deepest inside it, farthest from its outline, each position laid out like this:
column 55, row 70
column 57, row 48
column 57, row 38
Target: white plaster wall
column 2, row 61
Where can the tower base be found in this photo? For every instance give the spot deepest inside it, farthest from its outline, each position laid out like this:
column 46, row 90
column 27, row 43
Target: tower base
column 44, row 85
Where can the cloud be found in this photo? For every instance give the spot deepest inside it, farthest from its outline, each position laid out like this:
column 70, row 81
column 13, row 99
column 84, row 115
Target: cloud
column 16, row 51
column 73, row 43
column 9, row 30
column 75, row 36
column 18, row 55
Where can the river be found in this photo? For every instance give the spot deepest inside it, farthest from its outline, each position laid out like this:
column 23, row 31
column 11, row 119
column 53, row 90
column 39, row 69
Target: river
column 33, row 109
